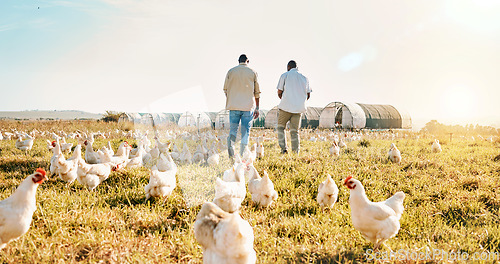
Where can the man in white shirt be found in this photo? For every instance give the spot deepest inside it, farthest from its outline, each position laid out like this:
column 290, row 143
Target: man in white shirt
column 293, row 90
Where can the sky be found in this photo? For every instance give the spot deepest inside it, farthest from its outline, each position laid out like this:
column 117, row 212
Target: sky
column 435, row 59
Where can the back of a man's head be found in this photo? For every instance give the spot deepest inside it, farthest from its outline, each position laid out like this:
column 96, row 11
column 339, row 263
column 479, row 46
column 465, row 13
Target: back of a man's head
column 242, row 58
column 292, row 64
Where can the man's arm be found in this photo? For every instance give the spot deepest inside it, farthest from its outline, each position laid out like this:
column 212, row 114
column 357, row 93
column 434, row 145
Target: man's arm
column 280, row 93
column 256, row 112
column 281, row 85
column 256, row 94
column 226, row 84
column 308, row 89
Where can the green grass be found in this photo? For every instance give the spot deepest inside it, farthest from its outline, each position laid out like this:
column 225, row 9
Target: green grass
column 452, row 204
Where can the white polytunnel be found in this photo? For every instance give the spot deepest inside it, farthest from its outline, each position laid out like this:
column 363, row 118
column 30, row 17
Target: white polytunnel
column 195, row 119
column 357, row 116
column 271, row 120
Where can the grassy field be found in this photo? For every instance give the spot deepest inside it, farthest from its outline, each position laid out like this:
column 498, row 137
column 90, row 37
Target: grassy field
column 452, row 204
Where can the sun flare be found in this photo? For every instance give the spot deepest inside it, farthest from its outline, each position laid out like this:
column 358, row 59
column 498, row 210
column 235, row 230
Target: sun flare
column 459, row 103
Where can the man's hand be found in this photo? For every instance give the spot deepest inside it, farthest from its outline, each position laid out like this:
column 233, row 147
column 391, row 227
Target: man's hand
column 280, row 93
column 256, row 113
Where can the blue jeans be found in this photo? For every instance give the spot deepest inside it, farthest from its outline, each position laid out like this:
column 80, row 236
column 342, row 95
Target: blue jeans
column 235, row 116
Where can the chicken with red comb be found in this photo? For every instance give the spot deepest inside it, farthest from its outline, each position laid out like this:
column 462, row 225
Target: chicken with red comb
column 347, row 179
column 16, row 212
column 376, row 221
column 41, row 171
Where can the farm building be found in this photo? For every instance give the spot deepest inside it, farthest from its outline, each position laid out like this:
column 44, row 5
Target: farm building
column 159, row 118
column 146, row 118
column 355, row 115
column 405, row 118
column 309, row 119
column 222, row 119
column 212, row 116
column 130, row 117
column 198, row 120
column 271, row 120
column 172, row 117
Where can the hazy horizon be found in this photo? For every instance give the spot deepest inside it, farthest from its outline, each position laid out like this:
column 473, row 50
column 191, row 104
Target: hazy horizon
column 417, row 124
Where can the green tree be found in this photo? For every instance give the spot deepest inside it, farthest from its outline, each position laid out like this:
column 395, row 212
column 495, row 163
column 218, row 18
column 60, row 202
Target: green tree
column 111, row 116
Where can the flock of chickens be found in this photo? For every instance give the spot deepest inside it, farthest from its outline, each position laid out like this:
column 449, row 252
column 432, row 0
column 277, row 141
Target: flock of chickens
column 224, row 236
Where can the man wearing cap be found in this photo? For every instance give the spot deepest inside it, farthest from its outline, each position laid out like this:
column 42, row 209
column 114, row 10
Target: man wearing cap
column 241, row 87
column 293, row 90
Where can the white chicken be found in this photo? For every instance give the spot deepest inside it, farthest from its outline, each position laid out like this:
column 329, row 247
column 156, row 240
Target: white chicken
column 376, row 221
column 81, row 137
column 121, row 156
column 123, row 150
column 394, row 154
column 250, row 171
column 150, row 157
column 249, row 154
column 16, row 212
column 176, row 154
column 186, row 155
column 134, row 151
column 91, row 157
column 262, row 190
column 198, row 155
column 220, row 144
column 204, row 149
column 56, row 152
column 237, row 158
column 436, row 147
column 327, row 193
column 65, row 147
column 50, row 144
column 7, row 135
column 165, row 163
column 67, row 169
column 161, row 183
column 145, row 141
column 91, row 175
column 342, row 143
column 230, row 195
column 162, row 147
column 335, row 149
column 108, row 148
column 225, row 238
column 259, row 151
column 26, row 144
column 253, row 152
column 213, row 157
column 229, row 175
column 139, row 150
column 135, row 162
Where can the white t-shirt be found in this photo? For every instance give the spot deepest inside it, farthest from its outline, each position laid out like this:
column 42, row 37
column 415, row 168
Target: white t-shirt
column 295, row 87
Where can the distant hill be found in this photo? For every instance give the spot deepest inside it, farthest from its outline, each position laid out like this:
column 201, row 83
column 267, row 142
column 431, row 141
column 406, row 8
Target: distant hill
column 48, row 115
